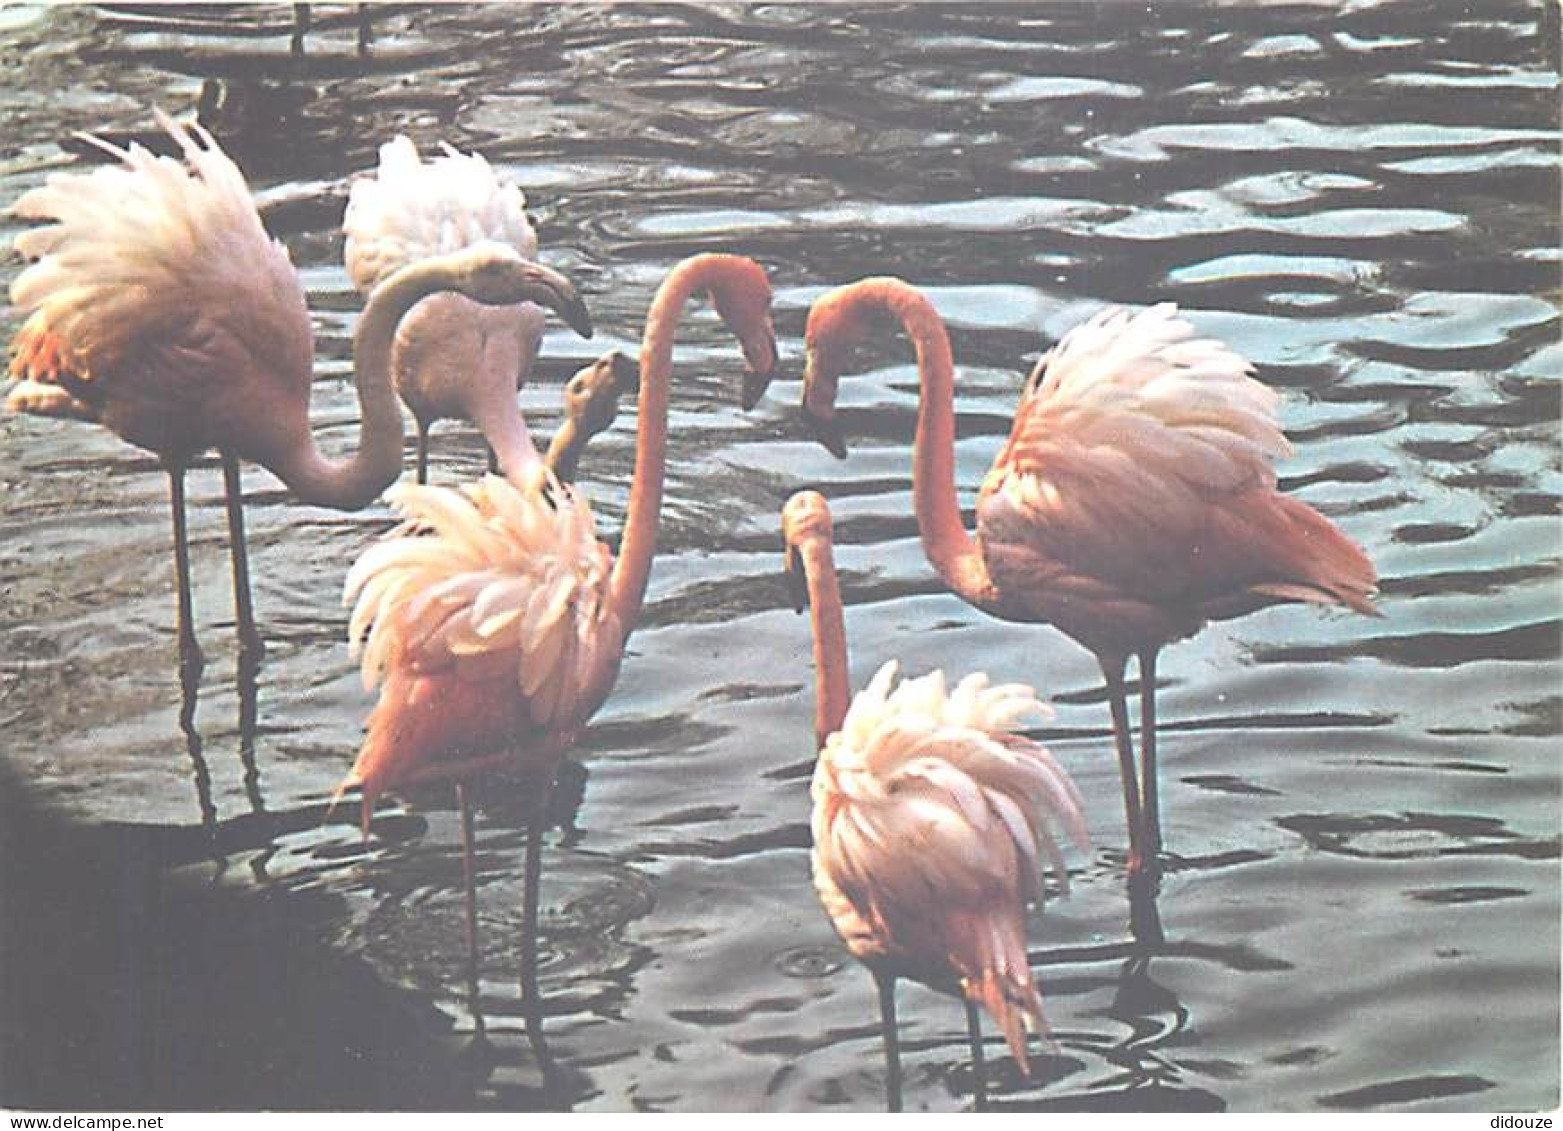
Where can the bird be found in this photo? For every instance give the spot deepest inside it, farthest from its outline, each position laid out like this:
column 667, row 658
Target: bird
column 158, row 306
column 1134, row 500
column 591, row 403
column 931, row 816
column 452, row 358
column 494, row 621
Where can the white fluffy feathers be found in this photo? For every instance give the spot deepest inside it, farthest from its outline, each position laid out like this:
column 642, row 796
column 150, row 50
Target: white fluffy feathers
column 483, row 572
column 921, row 779
column 1143, row 388
column 136, row 250
column 411, row 210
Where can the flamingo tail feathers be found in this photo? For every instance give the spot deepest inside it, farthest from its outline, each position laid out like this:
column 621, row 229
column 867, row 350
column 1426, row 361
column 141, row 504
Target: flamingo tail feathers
column 1334, row 569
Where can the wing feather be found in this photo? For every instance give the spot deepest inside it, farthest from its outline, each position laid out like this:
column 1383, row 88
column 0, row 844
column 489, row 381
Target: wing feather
column 483, row 573
column 411, row 209
column 126, row 270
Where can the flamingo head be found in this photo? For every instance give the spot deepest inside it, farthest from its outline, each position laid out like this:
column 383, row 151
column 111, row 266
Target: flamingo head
column 494, row 274
column 591, row 397
column 805, row 519
column 591, row 404
column 836, row 325
column 742, row 296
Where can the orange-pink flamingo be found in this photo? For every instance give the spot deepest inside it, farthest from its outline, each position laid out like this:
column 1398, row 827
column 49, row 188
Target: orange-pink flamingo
column 931, row 818
column 1135, row 499
column 494, row 621
column 159, row 307
column 452, row 357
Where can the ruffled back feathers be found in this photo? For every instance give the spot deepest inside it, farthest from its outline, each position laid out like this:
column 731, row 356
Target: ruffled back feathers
column 483, row 572
column 412, row 210
column 126, row 272
column 931, row 819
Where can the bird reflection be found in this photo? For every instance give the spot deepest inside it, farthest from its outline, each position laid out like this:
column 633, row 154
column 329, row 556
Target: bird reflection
column 189, row 689
column 220, row 835
column 304, row 20
column 401, row 880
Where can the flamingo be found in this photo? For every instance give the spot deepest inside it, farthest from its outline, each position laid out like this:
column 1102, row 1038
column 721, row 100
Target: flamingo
column 453, row 358
column 591, row 402
column 930, row 819
column 494, row 620
column 1135, row 499
column 159, row 308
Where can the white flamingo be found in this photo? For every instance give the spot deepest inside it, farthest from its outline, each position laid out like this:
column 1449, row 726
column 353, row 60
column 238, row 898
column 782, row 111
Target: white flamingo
column 453, row 358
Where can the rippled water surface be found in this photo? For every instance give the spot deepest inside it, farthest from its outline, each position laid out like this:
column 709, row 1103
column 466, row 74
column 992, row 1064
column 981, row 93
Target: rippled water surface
column 1363, row 815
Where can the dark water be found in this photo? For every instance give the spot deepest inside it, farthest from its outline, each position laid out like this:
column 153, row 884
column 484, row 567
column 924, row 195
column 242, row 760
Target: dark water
column 1362, row 906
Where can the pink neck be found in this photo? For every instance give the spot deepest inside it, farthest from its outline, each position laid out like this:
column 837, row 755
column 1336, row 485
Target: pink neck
column 947, row 545
column 639, row 541
column 491, row 404
column 832, row 691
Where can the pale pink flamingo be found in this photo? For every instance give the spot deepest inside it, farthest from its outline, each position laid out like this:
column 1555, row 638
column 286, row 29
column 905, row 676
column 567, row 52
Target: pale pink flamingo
column 452, row 357
column 494, row 620
column 1135, row 499
column 160, row 308
column 931, row 817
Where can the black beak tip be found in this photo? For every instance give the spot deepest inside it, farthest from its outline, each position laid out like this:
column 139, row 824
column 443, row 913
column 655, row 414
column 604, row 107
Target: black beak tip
column 754, row 388
column 828, row 433
column 626, row 373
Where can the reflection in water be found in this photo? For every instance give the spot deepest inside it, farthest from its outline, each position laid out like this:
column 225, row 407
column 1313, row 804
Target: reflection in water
column 1363, row 200
column 189, row 688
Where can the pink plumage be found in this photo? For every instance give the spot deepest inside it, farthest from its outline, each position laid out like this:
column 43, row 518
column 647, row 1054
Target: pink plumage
column 932, row 817
column 485, row 616
column 931, row 822
column 1136, row 497
column 121, row 310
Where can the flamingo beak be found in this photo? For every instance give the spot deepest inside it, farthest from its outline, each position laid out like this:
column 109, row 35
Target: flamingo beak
column 626, row 372
column 558, row 293
column 797, row 580
column 757, row 378
column 826, row 431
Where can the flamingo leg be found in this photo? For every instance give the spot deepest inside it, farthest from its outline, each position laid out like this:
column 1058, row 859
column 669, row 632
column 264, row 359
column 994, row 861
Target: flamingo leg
column 530, row 992
column 423, row 452
column 886, row 984
column 1149, row 793
column 251, row 648
column 1112, row 670
column 190, row 659
column 979, row 1063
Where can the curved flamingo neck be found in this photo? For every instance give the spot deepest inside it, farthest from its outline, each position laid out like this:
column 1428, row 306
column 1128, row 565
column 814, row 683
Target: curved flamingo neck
column 639, row 541
column 832, row 689
column 491, row 405
column 947, row 545
column 354, row 483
